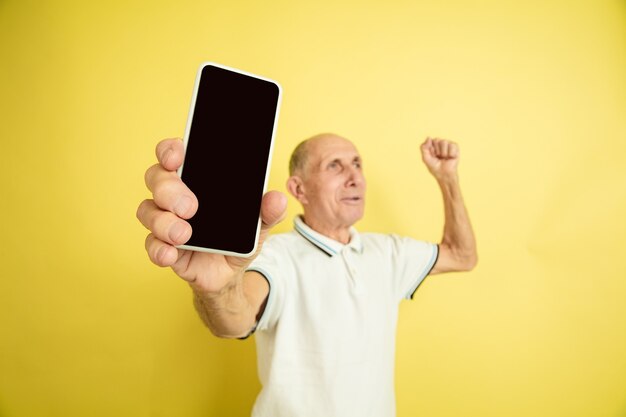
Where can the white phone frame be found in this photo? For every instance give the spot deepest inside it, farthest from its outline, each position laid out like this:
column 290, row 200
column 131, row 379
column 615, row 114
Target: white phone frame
column 269, row 159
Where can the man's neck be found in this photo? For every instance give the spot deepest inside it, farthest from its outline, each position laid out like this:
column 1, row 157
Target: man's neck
column 339, row 233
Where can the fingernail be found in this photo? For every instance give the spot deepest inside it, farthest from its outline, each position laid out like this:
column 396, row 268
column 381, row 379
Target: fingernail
column 183, row 205
column 177, row 232
column 161, row 253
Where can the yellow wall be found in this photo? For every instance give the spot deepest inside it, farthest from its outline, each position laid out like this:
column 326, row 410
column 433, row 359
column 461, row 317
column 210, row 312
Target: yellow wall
column 534, row 93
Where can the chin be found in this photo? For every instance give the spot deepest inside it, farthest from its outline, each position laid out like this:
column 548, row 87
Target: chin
column 354, row 218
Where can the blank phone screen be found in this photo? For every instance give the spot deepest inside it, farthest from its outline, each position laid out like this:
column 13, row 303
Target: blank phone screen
column 227, row 155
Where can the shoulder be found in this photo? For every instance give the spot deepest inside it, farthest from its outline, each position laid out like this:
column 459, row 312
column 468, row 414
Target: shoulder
column 274, row 258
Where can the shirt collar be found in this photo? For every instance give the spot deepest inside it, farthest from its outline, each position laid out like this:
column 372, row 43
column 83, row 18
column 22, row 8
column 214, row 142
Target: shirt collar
column 328, row 245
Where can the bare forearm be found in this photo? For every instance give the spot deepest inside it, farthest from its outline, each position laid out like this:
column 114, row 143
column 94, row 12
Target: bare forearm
column 458, row 235
column 227, row 314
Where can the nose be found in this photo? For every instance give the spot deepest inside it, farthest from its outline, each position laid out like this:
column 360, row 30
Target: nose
column 355, row 177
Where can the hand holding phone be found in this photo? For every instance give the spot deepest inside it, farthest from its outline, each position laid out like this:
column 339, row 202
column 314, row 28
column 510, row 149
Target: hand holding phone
column 166, row 218
column 208, row 215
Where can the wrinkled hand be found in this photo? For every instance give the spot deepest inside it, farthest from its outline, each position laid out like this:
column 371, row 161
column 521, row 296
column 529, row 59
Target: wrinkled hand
column 441, row 157
column 165, row 217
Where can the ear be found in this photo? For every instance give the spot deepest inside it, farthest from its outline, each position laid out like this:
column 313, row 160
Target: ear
column 295, row 185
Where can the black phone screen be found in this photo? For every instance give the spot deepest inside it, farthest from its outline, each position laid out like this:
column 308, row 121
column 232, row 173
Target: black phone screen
column 227, row 156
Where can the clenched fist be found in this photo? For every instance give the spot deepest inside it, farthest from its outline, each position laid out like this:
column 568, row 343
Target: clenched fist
column 441, row 157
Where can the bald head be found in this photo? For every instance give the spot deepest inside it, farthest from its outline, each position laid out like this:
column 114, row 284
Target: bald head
column 301, row 154
column 327, row 179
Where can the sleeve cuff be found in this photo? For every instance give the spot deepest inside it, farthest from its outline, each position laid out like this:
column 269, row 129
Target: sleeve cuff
column 263, row 319
column 429, row 267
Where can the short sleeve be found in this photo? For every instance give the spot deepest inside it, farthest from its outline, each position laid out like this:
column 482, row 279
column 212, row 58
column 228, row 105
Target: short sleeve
column 413, row 260
column 268, row 263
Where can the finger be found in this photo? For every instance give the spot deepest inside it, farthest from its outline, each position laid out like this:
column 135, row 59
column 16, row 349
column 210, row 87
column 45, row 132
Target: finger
column 170, row 193
column 453, row 151
column 160, row 253
column 438, row 147
column 170, row 153
column 427, row 147
column 166, row 226
column 445, row 145
column 273, row 208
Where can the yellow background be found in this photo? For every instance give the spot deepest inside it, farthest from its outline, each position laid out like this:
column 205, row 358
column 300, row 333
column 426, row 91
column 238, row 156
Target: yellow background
column 533, row 91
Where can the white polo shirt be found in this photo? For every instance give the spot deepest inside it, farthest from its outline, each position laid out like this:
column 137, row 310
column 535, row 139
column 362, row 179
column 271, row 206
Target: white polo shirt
column 326, row 340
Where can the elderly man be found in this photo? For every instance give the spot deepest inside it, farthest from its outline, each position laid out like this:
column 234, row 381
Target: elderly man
column 323, row 299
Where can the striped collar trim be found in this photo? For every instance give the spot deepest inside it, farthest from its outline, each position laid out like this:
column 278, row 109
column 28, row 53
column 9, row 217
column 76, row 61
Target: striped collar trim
column 330, row 246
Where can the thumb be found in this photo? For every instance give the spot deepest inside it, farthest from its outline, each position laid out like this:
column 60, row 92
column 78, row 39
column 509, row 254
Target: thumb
column 428, row 151
column 273, row 209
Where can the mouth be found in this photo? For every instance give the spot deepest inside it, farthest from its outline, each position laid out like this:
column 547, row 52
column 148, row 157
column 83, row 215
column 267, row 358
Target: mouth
column 354, row 199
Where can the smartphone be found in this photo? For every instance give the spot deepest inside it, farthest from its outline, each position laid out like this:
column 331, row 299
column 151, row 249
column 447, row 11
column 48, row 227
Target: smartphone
column 228, row 142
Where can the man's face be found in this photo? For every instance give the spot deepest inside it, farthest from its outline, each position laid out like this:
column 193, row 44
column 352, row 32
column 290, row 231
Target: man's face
column 333, row 182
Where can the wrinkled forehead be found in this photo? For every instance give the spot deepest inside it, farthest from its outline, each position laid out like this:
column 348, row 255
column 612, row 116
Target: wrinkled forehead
column 329, row 148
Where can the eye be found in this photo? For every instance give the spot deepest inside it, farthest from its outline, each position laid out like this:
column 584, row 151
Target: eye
column 334, row 165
